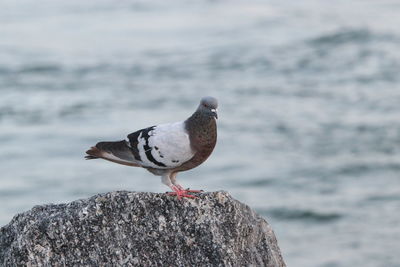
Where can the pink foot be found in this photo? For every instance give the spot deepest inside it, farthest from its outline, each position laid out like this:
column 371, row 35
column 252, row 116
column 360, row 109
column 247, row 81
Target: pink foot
column 193, row 191
column 188, row 189
column 180, row 192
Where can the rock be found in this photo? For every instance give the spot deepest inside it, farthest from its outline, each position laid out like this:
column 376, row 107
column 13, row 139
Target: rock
column 140, row 229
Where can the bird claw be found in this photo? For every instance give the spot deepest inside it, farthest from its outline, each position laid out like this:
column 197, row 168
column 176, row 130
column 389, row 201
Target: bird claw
column 193, row 191
column 180, row 192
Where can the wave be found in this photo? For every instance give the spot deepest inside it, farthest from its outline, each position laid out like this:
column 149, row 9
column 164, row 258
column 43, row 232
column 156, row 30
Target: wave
column 257, row 182
column 358, row 169
column 345, row 36
column 384, row 198
column 302, row 215
column 40, row 68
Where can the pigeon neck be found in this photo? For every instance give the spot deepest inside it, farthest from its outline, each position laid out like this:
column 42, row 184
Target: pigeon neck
column 202, row 129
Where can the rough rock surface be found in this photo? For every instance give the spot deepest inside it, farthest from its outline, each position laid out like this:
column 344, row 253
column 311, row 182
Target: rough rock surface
column 140, row 229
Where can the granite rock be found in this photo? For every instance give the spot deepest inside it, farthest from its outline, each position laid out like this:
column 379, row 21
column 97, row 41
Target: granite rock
column 140, row 229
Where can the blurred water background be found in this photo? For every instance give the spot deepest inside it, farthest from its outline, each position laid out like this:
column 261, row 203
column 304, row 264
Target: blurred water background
column 309, row 117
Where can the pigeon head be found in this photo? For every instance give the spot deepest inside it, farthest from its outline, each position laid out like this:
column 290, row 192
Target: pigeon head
column 209, row 104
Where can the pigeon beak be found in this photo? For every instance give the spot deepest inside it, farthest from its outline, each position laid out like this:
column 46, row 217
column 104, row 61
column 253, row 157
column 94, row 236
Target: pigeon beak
column 215, row 112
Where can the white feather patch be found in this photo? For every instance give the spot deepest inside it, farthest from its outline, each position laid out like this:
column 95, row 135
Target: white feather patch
column 169, row 144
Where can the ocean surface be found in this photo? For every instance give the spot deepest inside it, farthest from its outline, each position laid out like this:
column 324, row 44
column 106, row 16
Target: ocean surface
column 309, row 116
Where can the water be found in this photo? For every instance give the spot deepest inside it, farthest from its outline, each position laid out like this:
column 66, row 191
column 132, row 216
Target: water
column 309, row 127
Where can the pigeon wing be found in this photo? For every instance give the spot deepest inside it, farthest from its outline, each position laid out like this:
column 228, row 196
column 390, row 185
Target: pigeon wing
column 163, row 146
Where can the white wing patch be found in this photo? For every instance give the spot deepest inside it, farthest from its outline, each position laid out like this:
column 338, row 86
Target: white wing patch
column 165, row 146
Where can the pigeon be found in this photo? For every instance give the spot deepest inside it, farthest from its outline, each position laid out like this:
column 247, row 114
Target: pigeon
column 167, row 149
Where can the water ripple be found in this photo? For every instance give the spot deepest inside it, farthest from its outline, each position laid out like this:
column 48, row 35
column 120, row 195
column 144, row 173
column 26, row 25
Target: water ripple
column 353, row 36
column 302, row 215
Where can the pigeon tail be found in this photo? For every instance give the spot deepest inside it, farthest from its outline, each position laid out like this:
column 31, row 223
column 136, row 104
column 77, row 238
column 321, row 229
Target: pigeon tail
column 93, row 153
column 118, row 152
